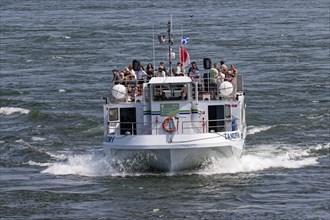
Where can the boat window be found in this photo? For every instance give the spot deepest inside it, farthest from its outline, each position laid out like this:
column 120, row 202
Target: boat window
column 167, row 92
column 216, row 116
column 113, row 114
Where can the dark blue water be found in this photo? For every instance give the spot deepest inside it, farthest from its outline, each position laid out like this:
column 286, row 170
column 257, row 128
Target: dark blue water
column 56, row 62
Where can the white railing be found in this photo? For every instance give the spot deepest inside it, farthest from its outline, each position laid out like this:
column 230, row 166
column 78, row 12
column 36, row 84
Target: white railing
column 184, row 127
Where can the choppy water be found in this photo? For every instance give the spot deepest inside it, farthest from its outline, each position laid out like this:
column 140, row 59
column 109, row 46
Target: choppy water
column 56, row 62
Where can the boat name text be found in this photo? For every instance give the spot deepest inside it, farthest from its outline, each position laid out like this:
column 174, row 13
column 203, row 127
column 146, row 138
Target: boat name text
column 232, row 135
column 109, row 139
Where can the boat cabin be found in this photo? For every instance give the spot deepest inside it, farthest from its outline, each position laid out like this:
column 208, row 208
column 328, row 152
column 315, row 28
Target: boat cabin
column 176, row 105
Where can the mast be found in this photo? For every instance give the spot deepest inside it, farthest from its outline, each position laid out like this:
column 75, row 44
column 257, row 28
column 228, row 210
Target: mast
column 153, row 44
column 170, row 42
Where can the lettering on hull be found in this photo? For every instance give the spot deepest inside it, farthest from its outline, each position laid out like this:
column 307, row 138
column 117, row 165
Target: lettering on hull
column 231, row 136
column 109, row 139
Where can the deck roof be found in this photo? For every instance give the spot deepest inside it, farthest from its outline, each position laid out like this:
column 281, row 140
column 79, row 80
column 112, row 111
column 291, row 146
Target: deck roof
column 170, row 79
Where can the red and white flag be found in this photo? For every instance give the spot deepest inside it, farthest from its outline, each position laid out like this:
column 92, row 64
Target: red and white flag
column 184, row 56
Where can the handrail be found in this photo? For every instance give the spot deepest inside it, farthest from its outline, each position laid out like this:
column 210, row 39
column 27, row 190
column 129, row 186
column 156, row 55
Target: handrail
column 197, row 126
column 208, row 88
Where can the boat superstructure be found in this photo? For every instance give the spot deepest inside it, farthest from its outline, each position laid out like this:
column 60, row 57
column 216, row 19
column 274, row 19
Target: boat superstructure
column 176, row 121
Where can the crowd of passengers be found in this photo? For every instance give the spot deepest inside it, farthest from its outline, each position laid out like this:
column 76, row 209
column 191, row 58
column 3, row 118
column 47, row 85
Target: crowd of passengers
column 133, row 80
column 222, row 73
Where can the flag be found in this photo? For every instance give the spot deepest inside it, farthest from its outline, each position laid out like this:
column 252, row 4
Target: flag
column 161, row 39
column 184, row 56
column 184, row 39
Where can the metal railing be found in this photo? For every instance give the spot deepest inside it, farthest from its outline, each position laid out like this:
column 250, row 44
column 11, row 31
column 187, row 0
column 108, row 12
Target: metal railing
column 184, row 127
column 208, row 89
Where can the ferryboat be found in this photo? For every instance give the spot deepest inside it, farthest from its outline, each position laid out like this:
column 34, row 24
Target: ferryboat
column 175, row 123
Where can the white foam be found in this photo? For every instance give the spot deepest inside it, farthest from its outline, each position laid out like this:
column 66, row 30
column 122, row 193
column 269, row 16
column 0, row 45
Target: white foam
column 13, row 110
column 322, row 147
column 21, row 141
column 38, row 139
column 263, row 158
column 259, row 158
column 83, row 165
column 57, row 58
column 253, row 130
column 32, row 163
column 61, row 90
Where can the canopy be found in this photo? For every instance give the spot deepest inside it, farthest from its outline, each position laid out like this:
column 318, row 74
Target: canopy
column 170, row 79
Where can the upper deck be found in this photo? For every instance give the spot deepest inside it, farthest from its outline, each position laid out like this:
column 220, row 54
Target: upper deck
column 176, row 88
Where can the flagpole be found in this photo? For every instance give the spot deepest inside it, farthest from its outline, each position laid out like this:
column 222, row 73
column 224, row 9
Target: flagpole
column 181, row 35
column 153, row 44
column 169, row 26
column 169, row 43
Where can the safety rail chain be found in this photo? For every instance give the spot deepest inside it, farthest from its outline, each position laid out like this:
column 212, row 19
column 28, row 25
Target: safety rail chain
column 200, row 126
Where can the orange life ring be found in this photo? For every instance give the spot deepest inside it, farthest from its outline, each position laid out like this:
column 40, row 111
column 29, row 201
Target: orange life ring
column 168, row 125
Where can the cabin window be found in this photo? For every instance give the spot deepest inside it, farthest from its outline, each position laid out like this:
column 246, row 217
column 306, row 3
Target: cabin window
column 218, row 118
column 169, row 92
column 127, row 121
column 113, row 114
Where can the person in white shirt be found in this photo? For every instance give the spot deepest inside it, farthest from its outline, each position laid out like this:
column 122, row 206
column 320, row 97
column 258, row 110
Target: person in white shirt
column 132, row 74
column 179, row 69
column 141, row 74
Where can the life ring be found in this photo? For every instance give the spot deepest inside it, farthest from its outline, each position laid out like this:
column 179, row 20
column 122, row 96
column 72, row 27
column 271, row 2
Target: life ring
column 168, row 125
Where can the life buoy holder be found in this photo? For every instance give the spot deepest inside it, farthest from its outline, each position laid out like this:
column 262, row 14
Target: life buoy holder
column 168, row 125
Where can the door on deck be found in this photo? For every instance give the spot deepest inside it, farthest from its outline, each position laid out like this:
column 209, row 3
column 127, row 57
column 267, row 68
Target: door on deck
column 216, row 118
column 128, row 121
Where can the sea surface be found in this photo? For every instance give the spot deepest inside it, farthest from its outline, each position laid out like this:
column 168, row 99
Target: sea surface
column 56, row 65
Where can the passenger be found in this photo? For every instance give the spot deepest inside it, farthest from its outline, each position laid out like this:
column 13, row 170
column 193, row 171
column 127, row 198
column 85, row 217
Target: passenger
column 125, row 73
column 221, row 77
column 216, row 66
column 193, row 66
column 141, row 75
column 196, row 77
column 214, row 72
column 138, row 90
column 150, row 71
column 132, row 74
column 130, row 91
column 231, row 74
column 150, row 74
column 162, row 67
column 161, row 73
column 233, row 70
column 223, row 67
column 117, row 77
column 178, row 71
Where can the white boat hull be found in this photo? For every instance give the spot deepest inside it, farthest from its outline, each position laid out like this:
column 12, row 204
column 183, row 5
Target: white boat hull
column 173, row 153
